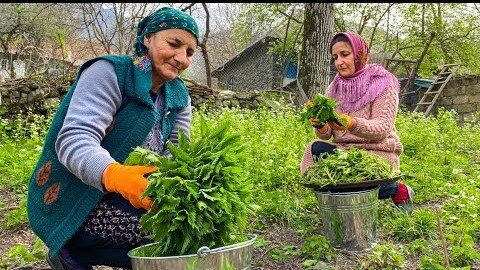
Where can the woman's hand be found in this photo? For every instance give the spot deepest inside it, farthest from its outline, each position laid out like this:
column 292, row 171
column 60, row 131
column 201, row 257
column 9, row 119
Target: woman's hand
column 315, row 123
column 350, row 123
column 128, row 181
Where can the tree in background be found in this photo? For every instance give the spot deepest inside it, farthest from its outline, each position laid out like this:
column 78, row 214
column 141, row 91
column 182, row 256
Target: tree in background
column 28, row 32
column 404, row 29
column 202, row 43
column 220, row 40
column 40, row 32
column 314, row 67
column 457, row 36
column 113, row 26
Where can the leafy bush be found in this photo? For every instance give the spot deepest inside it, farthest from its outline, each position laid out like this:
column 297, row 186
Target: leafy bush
column 440, row 158
column 418, row 246
column 435, row 148
column 20, row 255
column 317, row 247
column 25, row 126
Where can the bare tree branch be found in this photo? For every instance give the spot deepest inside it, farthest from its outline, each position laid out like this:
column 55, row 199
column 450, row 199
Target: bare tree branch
column 290, row 17
column 189, row 7
column 378, row 22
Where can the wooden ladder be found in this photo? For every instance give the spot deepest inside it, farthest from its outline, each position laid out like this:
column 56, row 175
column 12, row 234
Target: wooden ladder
column 433, row 92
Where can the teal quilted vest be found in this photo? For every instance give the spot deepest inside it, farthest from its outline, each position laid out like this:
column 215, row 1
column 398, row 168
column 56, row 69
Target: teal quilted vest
column 58, row 202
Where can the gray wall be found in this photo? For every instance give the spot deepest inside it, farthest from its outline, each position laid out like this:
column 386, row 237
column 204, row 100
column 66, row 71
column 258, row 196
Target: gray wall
column 461, row 94
column 23, row 96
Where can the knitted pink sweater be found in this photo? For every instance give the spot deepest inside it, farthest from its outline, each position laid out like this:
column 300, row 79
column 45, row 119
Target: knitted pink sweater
column 375, row 131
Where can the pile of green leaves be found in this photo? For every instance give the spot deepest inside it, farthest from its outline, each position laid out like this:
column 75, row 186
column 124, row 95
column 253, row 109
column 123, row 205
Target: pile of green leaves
column 321, row 108
column 200, row 197
column 352, row 166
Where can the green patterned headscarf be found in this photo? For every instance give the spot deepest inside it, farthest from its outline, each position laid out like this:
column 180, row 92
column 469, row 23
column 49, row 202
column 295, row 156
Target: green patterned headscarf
column 164, row 18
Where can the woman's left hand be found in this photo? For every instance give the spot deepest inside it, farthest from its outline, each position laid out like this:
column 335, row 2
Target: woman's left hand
column 343, row 118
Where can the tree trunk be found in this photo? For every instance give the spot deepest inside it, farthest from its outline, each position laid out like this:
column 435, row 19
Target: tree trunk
column 203, row 46
column 314, row 62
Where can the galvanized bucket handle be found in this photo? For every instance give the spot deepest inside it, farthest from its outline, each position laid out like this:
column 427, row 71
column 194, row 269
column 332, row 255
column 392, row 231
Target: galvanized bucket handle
column 203, row 252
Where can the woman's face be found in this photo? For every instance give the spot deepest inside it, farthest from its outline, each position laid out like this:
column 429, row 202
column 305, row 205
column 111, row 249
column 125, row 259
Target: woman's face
column 171, row 52
column 344, row 59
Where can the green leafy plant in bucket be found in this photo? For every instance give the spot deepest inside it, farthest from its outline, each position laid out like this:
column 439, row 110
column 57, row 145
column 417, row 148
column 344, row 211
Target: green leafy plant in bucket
column 200, row 197
column 352, row 166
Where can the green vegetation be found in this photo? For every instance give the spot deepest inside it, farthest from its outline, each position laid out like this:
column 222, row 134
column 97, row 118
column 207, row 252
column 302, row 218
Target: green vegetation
column 440, row 160
column 385, row 256
column 321, row 108
column 393, row 30
column 317, row 247
column 420, row 225
column 352, row 166
column 201, row 196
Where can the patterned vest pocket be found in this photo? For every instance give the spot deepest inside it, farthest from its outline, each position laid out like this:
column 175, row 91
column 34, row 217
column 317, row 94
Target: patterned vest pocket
column 46, row 186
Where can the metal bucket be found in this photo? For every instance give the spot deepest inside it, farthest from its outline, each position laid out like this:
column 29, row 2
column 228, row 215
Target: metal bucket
column 233, row 257
column 350, row 218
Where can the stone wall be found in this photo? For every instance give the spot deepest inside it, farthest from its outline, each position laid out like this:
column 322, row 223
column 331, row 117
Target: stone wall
column 462, row 94
column 26, row 95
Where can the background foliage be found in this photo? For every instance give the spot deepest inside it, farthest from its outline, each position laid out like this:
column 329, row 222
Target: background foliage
column 43, row 32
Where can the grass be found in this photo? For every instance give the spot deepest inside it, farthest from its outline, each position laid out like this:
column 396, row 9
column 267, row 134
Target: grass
column 440, row 158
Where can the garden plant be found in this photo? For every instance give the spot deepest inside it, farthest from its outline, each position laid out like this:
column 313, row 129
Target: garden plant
column 441, row 159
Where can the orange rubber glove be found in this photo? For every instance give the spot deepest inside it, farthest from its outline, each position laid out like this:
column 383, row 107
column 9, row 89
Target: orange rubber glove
column 324, row 129
column 128, row 181
column 351, row 123
column 314, row 122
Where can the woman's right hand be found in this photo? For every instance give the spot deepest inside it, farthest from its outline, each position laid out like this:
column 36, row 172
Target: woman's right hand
column 128, row 181
column 315, row 123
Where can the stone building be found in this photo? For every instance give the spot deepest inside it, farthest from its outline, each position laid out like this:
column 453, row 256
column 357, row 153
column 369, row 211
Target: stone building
column 254, row 68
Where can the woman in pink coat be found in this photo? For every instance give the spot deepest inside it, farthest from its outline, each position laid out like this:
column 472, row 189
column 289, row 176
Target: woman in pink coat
column 368, row 97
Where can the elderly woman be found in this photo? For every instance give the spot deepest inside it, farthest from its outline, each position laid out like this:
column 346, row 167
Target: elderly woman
column 82, row 202
column 368, row 97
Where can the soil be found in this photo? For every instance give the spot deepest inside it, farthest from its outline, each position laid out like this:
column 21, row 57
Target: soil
column 276, row 236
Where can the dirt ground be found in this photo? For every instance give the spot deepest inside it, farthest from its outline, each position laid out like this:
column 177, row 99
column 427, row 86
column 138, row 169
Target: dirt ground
column 275, row 236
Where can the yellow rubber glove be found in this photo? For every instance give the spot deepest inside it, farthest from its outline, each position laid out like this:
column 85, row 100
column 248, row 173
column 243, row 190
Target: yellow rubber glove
column 351, row 123
column 128, row 181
